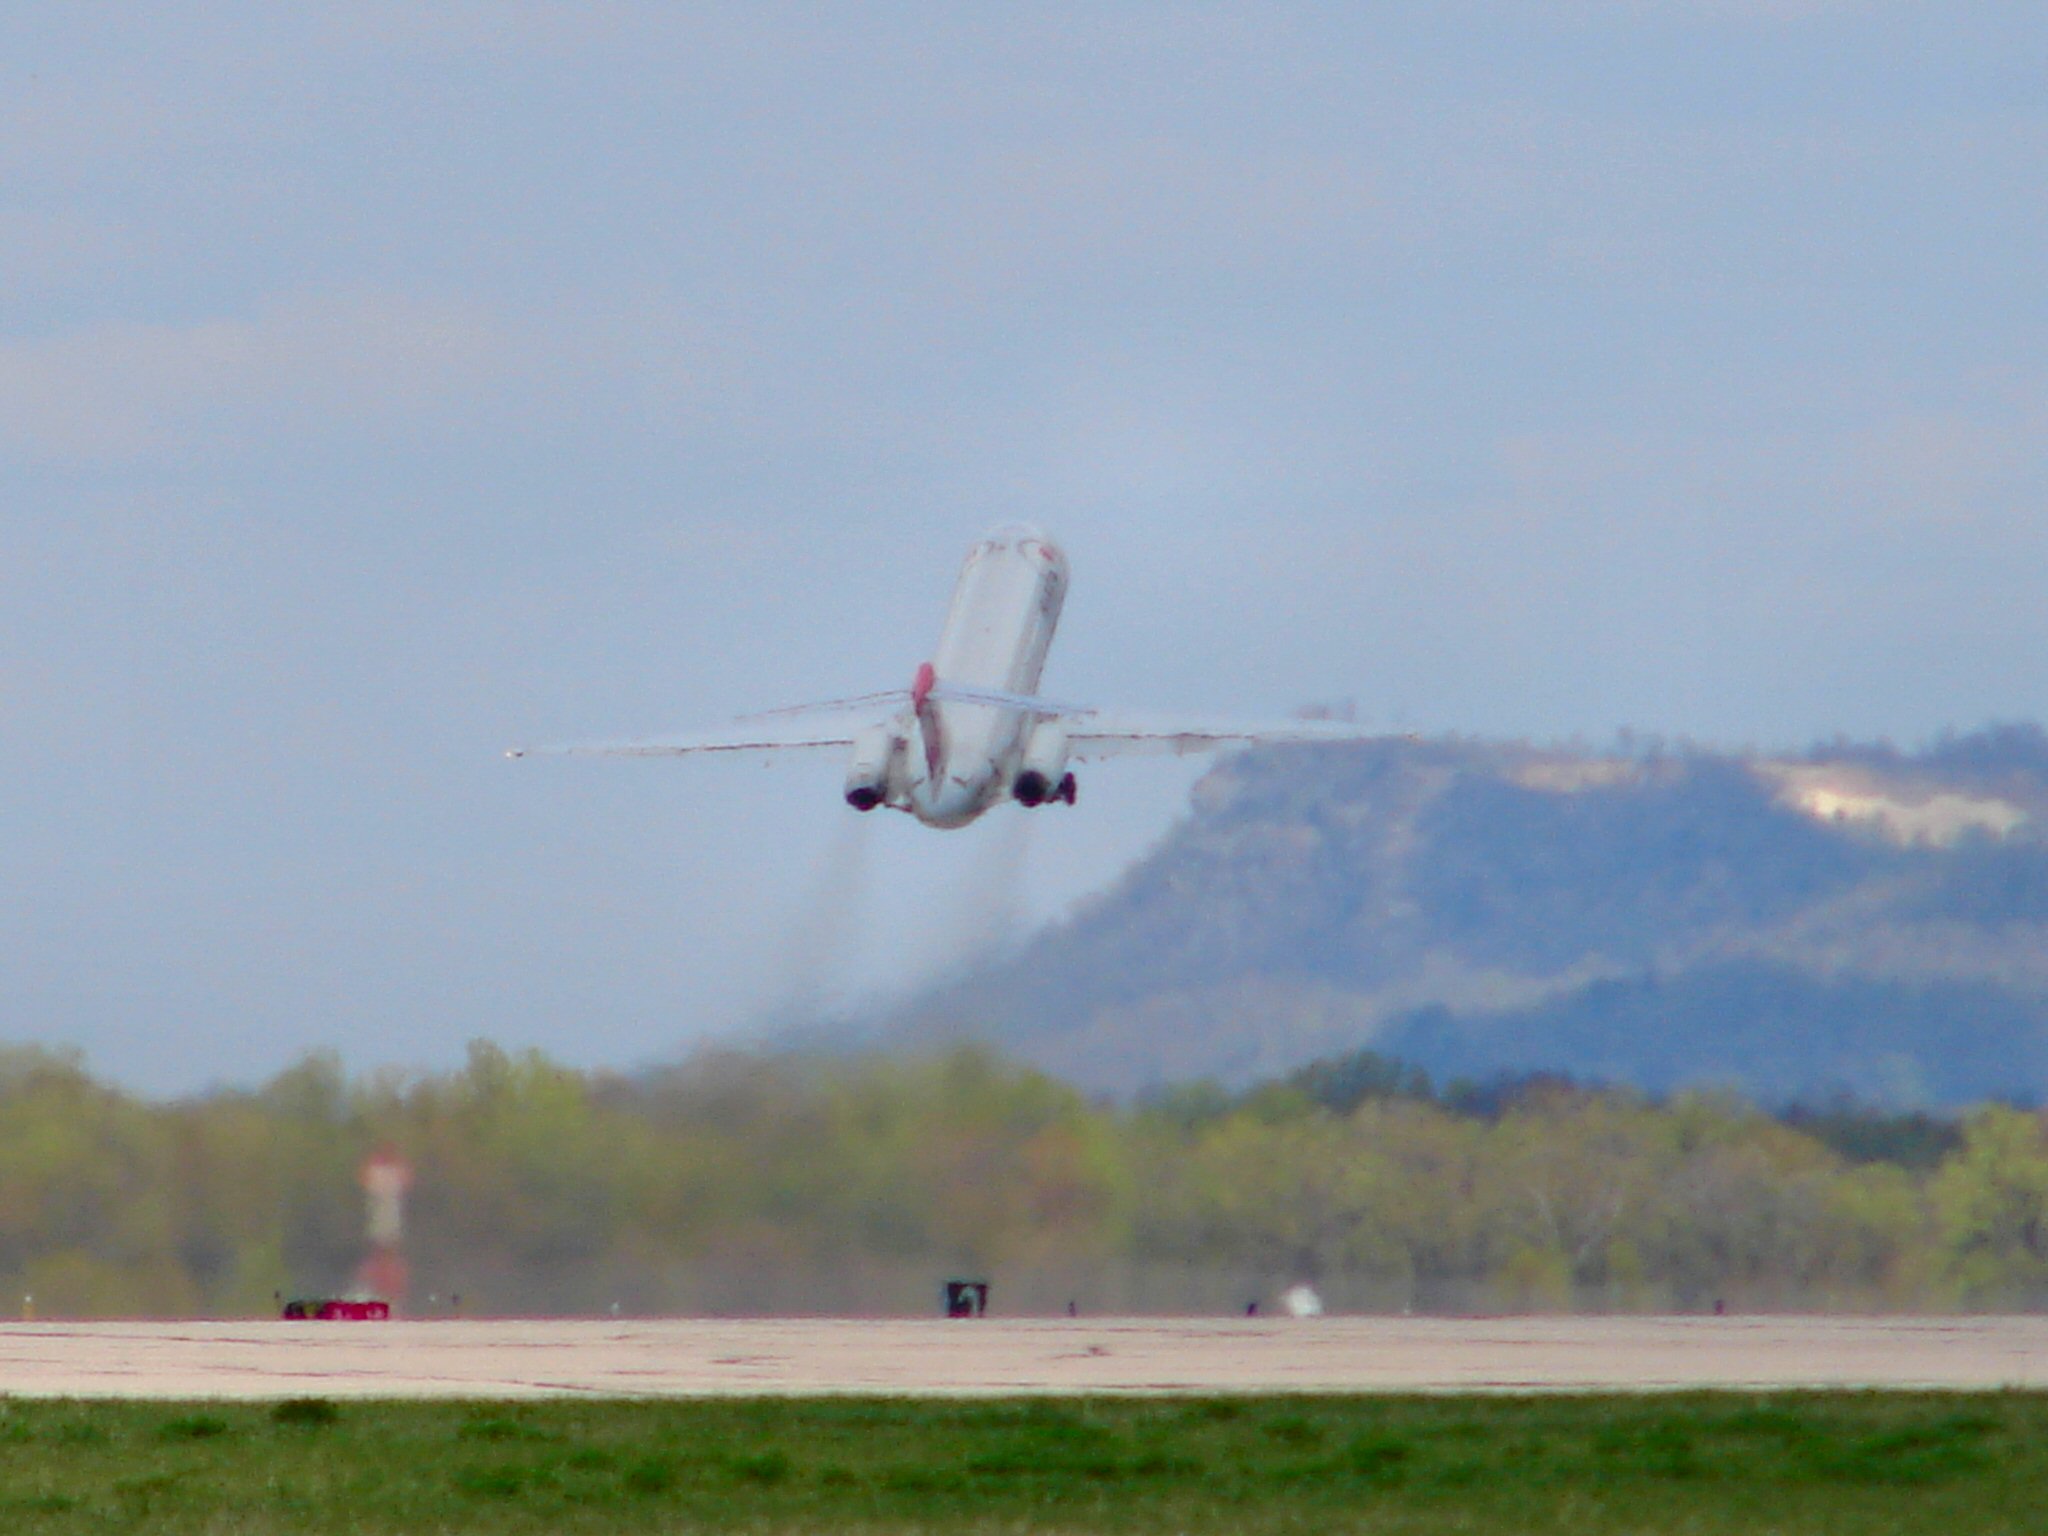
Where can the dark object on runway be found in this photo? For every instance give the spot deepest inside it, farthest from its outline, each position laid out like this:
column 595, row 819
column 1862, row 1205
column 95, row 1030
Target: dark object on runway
column 336, row 1310
column 966, row 1298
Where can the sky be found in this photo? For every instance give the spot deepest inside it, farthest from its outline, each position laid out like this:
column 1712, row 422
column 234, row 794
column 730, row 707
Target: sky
column 382, row 385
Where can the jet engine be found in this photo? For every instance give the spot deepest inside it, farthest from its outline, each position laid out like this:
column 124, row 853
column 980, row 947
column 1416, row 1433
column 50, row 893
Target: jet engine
column 877, row 757
column 1043, row 774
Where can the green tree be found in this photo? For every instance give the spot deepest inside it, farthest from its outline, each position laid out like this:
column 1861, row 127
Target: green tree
column 1991, row 1210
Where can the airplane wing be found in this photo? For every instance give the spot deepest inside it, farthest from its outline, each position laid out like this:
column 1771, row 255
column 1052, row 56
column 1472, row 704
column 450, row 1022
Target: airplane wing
column 834, row 724
column 1095, row 734
column 1098, row 733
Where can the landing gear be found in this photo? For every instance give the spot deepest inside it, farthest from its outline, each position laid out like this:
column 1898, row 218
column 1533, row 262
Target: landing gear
column 1065, row 793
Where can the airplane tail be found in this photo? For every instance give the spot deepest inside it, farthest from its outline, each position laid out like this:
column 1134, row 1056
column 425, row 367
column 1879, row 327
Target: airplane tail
column 921, row 689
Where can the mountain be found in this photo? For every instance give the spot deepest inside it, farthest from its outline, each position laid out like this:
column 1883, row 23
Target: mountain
column 1852, row 919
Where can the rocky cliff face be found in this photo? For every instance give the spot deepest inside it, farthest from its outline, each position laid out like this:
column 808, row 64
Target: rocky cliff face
column 1852, row 919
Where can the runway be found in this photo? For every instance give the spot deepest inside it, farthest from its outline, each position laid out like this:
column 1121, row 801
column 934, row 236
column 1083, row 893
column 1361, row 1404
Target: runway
column 987, row 1357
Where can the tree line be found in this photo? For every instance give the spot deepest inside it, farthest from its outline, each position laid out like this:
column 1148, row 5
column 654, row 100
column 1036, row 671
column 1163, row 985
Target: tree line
column 747, row 1183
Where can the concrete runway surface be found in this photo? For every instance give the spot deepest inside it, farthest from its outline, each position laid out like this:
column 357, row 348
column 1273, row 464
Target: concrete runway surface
column 983, row 1357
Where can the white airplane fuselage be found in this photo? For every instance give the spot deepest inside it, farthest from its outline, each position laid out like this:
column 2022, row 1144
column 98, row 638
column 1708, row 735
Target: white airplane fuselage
column 961, row 758
column 972, row 729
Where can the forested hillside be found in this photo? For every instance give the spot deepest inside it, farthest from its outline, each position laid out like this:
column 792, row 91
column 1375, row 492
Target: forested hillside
column 777, row 1184
column 1855, row 918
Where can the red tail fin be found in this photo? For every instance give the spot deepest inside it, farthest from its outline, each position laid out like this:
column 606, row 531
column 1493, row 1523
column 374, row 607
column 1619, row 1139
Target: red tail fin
column 927, row 720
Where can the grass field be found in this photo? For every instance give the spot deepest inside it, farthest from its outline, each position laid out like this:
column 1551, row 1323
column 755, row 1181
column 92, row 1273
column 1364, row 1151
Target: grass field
column 1958, row 1465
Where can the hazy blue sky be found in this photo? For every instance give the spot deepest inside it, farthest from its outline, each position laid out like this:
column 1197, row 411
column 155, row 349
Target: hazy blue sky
column 382, row 384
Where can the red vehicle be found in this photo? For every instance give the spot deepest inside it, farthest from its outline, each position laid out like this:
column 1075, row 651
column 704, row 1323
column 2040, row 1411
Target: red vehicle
column 335, row 1309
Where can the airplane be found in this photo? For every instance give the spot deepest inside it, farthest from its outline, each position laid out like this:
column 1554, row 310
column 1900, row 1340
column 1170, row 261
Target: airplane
column 971, row 730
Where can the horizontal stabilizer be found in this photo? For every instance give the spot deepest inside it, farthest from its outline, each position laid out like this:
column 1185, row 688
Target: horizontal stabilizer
column 750, row 735
column 950, row 693
column 866, row 702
